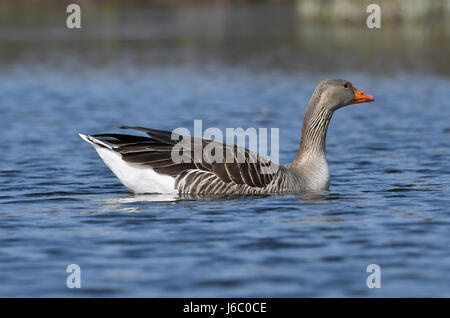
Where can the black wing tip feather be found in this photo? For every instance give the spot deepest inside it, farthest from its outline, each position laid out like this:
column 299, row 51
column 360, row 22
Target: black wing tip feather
column 162, row 135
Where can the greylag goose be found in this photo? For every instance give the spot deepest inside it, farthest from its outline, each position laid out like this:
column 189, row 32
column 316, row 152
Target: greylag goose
column 145, row 164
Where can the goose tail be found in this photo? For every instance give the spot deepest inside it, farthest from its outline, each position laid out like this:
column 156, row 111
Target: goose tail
column 137, row 178
column 96, row 142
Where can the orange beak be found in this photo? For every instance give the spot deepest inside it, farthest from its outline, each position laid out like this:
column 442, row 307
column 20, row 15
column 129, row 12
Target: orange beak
column 361, row 97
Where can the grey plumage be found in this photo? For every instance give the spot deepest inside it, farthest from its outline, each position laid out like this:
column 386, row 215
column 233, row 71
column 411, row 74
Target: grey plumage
column 202, row 175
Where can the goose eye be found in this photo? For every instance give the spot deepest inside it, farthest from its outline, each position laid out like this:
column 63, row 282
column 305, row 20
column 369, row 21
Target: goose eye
column 346, row 85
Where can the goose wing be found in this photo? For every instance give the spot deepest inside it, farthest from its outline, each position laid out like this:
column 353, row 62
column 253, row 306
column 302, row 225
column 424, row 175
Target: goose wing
column 238, row 165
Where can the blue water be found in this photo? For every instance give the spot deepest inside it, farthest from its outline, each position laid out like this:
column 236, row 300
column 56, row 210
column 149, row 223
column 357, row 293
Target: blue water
column 388, row 202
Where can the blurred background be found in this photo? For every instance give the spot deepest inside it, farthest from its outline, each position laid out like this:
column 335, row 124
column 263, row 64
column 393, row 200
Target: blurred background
column 164, row 63
column 305, row 35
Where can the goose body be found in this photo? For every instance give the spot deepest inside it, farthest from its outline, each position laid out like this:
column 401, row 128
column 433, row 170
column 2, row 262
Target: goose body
column 146, row 165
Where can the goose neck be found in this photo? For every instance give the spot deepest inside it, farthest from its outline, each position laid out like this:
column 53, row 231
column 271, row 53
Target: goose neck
column 314, row 132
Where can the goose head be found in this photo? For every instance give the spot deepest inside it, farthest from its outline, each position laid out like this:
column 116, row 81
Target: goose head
column 336, row 93
column 329, row 95
column 310, row 163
